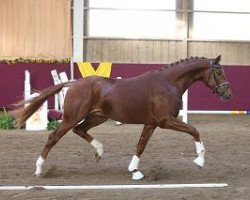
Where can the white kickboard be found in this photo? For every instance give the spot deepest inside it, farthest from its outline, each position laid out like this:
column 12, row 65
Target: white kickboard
column 39, row 120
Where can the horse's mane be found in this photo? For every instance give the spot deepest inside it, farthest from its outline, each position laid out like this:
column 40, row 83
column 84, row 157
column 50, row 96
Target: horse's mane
column 191, row 59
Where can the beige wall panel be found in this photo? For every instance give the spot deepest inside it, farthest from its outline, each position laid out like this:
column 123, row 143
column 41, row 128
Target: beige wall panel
column 233, row 53
column 159, row 51
column 88, row 53
column 142, row 49
column 172, row 51
column 105, row 50
column 133, row 51
column 95, row 50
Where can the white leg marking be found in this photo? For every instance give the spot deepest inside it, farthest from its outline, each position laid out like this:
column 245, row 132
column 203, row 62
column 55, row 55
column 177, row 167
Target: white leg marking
column 199, row 147
column 118, row 123
column 200, row 150
column 200, row 159
column 39, row 164
column 137, row 175
column 134, row 163
column 98, row 146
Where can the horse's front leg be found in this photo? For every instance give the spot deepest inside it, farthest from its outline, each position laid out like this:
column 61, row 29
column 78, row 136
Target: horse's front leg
column 178, row 125
column 133, row 166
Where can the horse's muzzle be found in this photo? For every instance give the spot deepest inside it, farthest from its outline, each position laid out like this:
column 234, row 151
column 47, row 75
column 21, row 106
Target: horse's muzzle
column 227, row 96
column 224, row 91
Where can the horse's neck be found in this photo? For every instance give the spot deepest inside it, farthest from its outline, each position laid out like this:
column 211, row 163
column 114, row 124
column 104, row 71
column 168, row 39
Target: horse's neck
column 185, row 74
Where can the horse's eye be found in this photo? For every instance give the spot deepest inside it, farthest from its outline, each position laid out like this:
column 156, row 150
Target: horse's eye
column 218, row 70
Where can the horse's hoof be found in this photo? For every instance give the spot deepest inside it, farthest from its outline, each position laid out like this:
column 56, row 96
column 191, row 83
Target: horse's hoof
column 199, row 161
column 118, row 123
column 97, row 157
column 137, row 175
column 37, row 175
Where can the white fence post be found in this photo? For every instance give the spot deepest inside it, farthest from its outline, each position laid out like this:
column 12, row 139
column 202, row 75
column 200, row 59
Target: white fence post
column 61, row 78
column 58, row 97
column 27, row 87
column 184, row 111
column 39, row 120
column 64, row 79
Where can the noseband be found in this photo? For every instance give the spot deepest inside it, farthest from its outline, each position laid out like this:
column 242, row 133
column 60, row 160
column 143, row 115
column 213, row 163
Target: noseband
column 220, row 88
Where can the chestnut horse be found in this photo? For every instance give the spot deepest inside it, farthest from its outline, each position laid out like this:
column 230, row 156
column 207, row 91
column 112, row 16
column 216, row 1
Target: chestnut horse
column 153, row 99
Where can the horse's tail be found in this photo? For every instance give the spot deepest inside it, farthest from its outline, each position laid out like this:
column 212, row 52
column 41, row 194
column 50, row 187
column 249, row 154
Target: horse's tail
column 21, row 115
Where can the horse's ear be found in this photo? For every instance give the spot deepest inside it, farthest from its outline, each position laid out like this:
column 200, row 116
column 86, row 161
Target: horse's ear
column 217, row 60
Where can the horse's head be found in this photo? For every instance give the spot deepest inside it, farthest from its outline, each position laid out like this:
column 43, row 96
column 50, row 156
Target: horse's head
column 216, row 79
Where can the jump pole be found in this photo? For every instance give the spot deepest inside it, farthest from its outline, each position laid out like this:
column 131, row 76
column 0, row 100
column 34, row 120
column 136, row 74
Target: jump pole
column 184, row 112
column 115, row 187
column 219, row 112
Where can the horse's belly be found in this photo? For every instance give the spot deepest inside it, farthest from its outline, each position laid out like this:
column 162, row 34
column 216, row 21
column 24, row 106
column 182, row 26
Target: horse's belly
column 128, row 112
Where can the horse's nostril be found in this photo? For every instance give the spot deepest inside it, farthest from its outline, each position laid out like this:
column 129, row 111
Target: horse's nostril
column 227, row 96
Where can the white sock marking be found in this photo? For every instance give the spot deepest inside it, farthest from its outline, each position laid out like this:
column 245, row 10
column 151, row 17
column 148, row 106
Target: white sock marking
column 137, row 175
column 98, row 146
column 134, row 163
column 199, row 147
column 200, row 160
column 200, row 150
column 39, row 164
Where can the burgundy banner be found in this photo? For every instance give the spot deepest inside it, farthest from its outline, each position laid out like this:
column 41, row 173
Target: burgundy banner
column 200, row 97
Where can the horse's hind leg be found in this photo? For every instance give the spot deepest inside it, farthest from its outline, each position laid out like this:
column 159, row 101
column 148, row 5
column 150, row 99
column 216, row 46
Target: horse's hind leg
column 92, row 120
column 178, row 125
column 145, row 136
column 53, row 138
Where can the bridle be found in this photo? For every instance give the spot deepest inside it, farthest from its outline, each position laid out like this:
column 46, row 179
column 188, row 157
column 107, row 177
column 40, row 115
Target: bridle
column 220, row 88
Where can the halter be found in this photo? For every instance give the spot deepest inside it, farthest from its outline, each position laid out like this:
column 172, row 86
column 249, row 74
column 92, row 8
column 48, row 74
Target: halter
column 220, row 88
